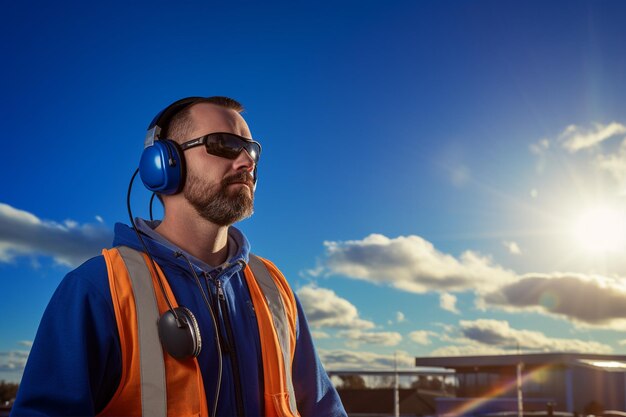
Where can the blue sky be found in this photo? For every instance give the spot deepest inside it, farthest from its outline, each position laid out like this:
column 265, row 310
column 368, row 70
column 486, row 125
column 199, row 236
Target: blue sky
column 437, row 177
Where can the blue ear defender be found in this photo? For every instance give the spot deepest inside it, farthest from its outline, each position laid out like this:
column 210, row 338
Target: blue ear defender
column 162, row 164
column 162, row 167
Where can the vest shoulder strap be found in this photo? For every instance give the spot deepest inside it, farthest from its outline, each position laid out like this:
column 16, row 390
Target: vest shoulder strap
column 152, row 383
column 269, row 290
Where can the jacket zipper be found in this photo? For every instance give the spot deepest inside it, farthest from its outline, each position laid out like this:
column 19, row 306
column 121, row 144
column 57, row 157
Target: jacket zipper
column 223, row 308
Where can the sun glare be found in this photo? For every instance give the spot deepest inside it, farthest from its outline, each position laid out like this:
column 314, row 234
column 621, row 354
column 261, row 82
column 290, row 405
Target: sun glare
column 601, row 230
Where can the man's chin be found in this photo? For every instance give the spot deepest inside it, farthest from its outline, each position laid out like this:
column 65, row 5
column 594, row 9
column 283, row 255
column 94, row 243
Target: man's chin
column 239, row 190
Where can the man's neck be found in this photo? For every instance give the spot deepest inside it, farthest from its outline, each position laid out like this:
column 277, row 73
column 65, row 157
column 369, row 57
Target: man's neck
column 197, row 236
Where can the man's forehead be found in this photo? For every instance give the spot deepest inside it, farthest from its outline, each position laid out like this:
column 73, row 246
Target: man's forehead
column 218, row 118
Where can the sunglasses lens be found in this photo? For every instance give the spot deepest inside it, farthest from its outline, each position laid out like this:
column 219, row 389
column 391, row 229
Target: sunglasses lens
column 254, row 150
column 230, row 146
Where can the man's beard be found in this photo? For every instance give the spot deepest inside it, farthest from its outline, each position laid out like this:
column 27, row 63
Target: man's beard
column 216, row 203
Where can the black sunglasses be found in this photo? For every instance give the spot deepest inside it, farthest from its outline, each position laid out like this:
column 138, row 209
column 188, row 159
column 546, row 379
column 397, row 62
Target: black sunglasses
column 225, row 145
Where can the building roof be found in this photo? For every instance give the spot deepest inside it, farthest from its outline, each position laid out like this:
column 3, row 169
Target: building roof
column 605, row 362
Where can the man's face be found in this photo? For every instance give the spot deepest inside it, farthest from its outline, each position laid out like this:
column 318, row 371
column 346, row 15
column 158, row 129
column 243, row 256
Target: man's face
column 221, row 190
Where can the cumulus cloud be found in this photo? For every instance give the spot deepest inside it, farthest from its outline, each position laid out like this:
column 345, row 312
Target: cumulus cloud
column 500, row 334
column 400, row 317
column 512, row 247
column 411, row 263
column 574, row 138
column 319, row 334
column 352, row 360
column 614, row 163
column 14, row 360
column 468, row 350
column 422, row 337
column 324, row 308
column 22, row 234
column 596, row 149
column 356, row 337
column 591, row 300
column 448, row 302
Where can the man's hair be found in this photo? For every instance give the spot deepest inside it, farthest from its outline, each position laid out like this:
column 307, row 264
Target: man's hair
column 180, row 124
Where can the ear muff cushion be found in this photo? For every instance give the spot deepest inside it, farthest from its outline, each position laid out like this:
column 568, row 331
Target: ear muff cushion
column 161, row 167
column 180, row 342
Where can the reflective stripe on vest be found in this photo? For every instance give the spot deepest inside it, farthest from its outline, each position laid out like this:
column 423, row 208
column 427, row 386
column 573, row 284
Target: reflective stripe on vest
column 152, row 383
column 279, row 322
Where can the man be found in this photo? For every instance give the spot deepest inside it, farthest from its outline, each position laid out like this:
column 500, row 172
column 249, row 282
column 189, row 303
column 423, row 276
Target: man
column 234, row 336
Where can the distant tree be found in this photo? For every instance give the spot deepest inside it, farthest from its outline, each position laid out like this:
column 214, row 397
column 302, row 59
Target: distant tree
column 386, row 381
column 420, row 382
column 8, row 390
column 435, row 383
column 352, row 382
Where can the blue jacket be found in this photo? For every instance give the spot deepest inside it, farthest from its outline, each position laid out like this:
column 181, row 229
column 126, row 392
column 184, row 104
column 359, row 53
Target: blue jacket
column 74, row 367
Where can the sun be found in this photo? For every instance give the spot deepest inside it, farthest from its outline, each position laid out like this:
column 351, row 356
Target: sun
column 600, row 230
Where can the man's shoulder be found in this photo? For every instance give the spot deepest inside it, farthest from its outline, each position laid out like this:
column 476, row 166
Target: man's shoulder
column 92, row 267
column 88, row 278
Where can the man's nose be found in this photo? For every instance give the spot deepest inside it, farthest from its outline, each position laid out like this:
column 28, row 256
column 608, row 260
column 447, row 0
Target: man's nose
column 244, row 161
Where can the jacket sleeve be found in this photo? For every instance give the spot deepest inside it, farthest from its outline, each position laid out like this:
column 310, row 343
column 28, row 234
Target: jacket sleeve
column 74, row 364
column 315, row 394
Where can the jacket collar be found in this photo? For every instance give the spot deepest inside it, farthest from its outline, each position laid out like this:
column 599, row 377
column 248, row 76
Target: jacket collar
column 163, row 251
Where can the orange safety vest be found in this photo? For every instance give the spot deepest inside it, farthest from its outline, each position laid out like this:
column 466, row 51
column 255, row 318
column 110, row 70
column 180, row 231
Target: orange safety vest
column 154, row 383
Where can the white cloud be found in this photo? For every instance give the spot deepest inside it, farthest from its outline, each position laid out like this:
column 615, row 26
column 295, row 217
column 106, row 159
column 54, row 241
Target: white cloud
column 599, row 149
column 99, row 219
column 422, row 337
column 512, row 247
column 400, row 317
column 448, row 302
column 357, row 337
column 24, row 234
column 14, row 360
column 350, row 359
column 324, row 308
column 614, row 163
column 499, row 334
column 411, row 263
column 496, row 337
column 319, row 334
column 588, row 300
column 575, row 138
column 27, row 343
column 468, row 350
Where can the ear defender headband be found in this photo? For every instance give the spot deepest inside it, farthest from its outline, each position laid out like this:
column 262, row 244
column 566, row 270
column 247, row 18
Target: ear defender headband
column 162, row 165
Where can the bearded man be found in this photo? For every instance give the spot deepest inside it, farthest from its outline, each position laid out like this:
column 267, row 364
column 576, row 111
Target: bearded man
column 179, row 318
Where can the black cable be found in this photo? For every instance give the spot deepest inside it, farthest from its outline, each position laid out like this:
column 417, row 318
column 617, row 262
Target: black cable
column 145, row 247
column 169, row 304
column 217, row 335
column 151, row 200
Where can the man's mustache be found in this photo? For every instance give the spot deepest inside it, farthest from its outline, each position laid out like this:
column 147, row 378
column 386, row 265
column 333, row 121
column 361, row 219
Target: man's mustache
column 239, row 178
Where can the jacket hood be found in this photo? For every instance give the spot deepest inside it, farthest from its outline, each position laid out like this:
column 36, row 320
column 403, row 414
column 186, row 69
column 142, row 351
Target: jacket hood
column 163, row 251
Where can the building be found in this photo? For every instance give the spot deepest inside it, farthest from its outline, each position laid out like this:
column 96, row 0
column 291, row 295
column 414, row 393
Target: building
column 569, row 382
